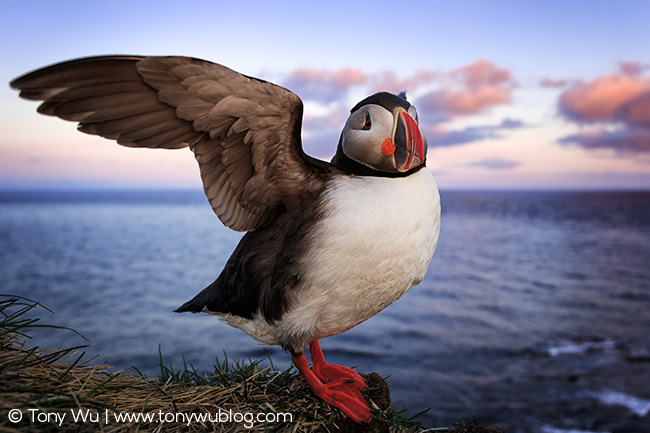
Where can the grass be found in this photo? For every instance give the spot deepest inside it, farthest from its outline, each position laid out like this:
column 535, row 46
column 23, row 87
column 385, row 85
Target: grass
column 51, row 388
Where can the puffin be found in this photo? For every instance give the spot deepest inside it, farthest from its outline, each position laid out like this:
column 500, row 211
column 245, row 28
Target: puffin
column 328, row 245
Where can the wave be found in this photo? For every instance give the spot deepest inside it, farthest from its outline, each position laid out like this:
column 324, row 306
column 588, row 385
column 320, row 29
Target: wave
column 638, row 355
column 629, row 353
column 582, row 347
column 639, row 406
column 549, row 429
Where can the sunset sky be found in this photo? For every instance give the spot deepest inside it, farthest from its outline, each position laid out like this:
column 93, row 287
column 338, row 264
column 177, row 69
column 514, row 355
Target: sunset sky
column 510, row 94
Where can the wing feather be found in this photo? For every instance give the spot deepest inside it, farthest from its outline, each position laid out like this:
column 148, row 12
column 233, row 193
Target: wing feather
column 136, row 122
column 244, row 132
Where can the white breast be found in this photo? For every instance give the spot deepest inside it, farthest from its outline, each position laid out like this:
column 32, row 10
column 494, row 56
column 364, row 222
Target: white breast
column 375, row 241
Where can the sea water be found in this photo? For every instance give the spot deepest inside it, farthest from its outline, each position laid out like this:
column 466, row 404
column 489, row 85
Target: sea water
column 534, row 315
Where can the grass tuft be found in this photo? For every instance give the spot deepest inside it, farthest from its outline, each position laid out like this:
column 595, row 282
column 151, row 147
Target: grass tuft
column 62, row 384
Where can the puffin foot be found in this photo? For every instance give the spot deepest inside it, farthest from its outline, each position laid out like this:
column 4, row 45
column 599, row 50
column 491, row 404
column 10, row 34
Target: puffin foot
column 340, row 393
column 330, row 372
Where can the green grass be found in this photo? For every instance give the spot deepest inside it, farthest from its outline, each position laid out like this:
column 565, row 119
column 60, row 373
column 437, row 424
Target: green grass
column 15, row 325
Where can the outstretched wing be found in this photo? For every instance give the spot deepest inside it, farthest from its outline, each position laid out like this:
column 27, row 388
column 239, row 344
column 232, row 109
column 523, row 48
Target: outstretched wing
column 244, row 132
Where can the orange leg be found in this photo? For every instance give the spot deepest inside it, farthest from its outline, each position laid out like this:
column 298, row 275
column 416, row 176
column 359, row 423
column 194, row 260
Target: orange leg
column 338, row 392
column 328, row 372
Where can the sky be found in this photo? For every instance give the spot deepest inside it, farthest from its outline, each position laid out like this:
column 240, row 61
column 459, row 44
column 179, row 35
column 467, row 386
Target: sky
column 510, row 94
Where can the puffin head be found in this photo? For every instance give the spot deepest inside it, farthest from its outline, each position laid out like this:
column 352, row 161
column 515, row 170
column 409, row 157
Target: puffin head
column 381, row 136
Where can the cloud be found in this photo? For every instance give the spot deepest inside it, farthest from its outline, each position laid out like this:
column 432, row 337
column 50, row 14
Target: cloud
column 321, row 130
column 625, row 141
column 495, row 164
column 464, row 91
column 324, row 84
column 463, row 101
column 482, row 73
column 509, row 123
column 331, row 117
column 440, row 96
column 468, row 90
column 613, row 111
column 603, row 98
column 550, row 82
column 440, row 137
column 632, row 68
column 458, row 137
column 387, row 81
column 625, row 68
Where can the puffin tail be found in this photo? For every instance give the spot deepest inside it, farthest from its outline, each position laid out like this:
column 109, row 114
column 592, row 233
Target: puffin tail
column 190, row 306
column 198, row 303
column 233, row 292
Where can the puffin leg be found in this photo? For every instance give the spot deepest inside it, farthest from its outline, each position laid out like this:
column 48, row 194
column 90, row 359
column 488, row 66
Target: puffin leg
column 337, row 393
column 328, row 372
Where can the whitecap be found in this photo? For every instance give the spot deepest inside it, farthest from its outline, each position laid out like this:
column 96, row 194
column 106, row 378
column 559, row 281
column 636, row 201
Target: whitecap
column 576, row 348
column 549, row 429
column 637, row 405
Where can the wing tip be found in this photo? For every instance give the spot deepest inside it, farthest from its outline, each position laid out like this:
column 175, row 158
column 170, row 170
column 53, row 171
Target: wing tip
column 23, row 81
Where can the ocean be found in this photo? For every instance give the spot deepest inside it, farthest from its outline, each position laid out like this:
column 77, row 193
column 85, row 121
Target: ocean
column 534, row 316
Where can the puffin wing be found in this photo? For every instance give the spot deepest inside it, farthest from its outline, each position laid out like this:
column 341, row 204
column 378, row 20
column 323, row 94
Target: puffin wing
column 244, row 132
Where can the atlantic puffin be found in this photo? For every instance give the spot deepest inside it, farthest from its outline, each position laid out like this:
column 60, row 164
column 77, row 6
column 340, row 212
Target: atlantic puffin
column 328, row 245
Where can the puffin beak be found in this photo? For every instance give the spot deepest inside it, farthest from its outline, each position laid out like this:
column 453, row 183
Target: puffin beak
column 410, row 148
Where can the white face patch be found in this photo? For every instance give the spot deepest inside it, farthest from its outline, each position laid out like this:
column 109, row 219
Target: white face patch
column 363, row 136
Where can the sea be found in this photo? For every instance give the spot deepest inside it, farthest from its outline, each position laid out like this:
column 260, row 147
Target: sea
column 534, row 316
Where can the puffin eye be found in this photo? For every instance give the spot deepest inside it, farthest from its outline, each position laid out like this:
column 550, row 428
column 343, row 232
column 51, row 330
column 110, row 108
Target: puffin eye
column 367, row 124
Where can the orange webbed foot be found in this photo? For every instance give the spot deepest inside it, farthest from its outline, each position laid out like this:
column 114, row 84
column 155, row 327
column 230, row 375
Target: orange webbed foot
column 336, row 385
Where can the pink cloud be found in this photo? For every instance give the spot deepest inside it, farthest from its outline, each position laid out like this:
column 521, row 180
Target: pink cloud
column 464, row 91
column 632, row 68
column 464, row 101
column 621, row 100
column 327, row 85
column 482, row 73
column 637, row 111
column 470, row 90
column 602, row 98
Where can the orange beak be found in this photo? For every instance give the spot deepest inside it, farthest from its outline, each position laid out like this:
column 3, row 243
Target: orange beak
column 409, row 148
